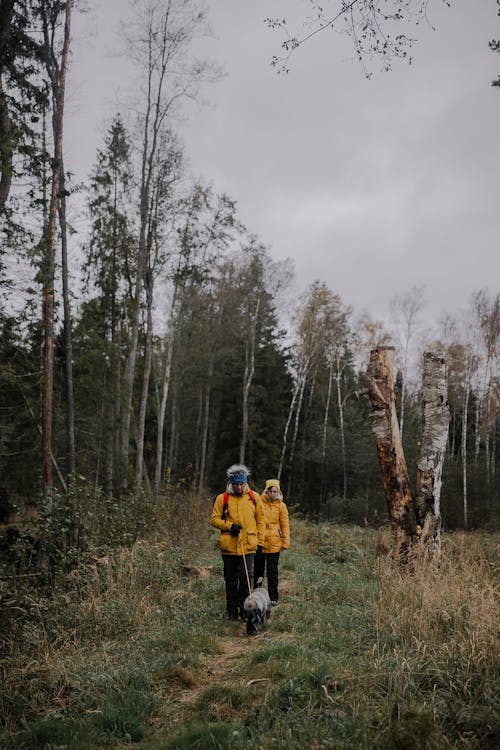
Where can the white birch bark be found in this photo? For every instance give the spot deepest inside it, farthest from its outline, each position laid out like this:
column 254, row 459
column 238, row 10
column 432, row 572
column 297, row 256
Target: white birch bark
column 326, row 414
column 436, row 418
column 287, row 427
column 165, row 382
column 148, row 358
column 248, row 377
column 340, row 405
column 464, row 453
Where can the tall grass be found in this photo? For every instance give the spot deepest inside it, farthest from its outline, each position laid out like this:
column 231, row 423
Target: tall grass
column 134, row 647
column 437, row 629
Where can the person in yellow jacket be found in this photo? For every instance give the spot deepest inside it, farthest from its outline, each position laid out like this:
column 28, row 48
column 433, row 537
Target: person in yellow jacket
column 276, row 538
column 239, row 516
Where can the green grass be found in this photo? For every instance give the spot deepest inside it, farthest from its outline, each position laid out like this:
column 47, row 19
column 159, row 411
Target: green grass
column 133, row 651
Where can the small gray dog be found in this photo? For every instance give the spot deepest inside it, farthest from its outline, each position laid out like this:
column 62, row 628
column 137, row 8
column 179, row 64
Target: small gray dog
column 257, row 607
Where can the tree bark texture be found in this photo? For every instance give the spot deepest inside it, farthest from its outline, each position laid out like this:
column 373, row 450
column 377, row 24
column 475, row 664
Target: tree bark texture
column 6, row 145
column 325, row 434
column 148, row 358
column 464, row 453
column 49, row 267
column 68, row 337
column 248, row 377
column 340, row 404
column 385, row 429
column 436, row 418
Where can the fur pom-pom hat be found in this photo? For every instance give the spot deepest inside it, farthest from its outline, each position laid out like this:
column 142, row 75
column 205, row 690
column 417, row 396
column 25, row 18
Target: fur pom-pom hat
column 238, row 473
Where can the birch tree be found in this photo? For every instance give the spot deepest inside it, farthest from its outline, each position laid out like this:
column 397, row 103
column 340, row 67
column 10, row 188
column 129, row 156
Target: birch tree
column 436, row 419
column 312, row 321
column 206, row 227
column 415, row 519
column 159, row 45
column 253, row 286
column 486, row 313
column 161, row 223
column 377, row 29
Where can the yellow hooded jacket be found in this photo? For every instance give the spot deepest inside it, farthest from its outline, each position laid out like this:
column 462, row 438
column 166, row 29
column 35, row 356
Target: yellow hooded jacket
column 277, row 533
column 239, row 509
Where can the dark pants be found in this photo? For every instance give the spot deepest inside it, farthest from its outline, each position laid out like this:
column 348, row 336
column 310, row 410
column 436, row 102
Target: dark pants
column 269, row 560
column 235, row 578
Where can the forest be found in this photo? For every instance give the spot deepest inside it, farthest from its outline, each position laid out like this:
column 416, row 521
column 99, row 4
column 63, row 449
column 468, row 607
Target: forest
column 143, row 354
column 148, row 340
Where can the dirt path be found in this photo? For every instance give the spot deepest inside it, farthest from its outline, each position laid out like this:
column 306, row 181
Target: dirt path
column 227, row 665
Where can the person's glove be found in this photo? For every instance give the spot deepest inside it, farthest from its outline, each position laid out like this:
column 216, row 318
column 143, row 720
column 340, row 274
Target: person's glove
column 260, row 549
column 235, row 529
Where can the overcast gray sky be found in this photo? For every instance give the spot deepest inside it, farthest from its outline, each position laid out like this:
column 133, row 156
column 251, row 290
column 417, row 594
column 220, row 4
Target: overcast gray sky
column 373, row 186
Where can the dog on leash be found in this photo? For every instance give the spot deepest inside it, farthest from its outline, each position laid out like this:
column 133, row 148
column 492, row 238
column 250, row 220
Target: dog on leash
column 257, row 608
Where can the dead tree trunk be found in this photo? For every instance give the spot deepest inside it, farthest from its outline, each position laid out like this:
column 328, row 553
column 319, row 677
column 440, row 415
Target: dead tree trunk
column 413, row 519
column 436, row 418
column 400, row 503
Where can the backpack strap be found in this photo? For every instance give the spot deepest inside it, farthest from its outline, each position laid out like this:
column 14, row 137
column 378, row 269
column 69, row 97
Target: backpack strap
column 226, row 500
column 224, row 506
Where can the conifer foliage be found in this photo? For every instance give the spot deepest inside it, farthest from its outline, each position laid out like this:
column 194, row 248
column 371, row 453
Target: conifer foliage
column 191, row 346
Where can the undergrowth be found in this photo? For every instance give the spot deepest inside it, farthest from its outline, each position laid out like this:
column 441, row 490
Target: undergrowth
column 133, row 648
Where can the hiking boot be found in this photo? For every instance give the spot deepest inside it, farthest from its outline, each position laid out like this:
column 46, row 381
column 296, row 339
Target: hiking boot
column 274, row 602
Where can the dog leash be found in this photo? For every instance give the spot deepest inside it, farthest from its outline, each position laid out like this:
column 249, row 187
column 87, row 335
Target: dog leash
column 245, row 563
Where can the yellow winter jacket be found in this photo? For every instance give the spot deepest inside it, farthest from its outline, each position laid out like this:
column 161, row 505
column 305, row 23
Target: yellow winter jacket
column 277, row 533
column 239, row 509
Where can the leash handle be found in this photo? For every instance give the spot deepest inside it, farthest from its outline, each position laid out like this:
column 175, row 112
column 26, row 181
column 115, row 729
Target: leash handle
column 245, row 563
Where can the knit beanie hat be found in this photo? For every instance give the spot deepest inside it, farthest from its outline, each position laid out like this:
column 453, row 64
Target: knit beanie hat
column 272, row 483
column 238, row 473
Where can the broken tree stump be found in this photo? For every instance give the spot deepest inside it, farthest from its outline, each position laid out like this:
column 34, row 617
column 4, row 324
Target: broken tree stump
column 383, row 417
column 414, row 518
column 436, row 418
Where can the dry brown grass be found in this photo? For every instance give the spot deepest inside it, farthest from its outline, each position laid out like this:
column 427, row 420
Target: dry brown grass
column 452, row 603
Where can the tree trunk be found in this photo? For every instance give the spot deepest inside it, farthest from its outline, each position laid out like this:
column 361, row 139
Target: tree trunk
column 173, row 426
column 148, row 357
column 6, row 145
column 68, row 341
column 248, row 377
column 464, row 453
column 5, row 148
column 206, row 422
column 436, row 416
column 340, row 404
column 287, row 427
column 165, row 382
column 390, row 451
column 49, row 268
column 477, row 427
column 322, row 496
column 296, row 430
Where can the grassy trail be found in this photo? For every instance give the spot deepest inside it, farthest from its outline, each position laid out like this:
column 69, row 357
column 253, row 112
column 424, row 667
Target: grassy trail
column 136, row 651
